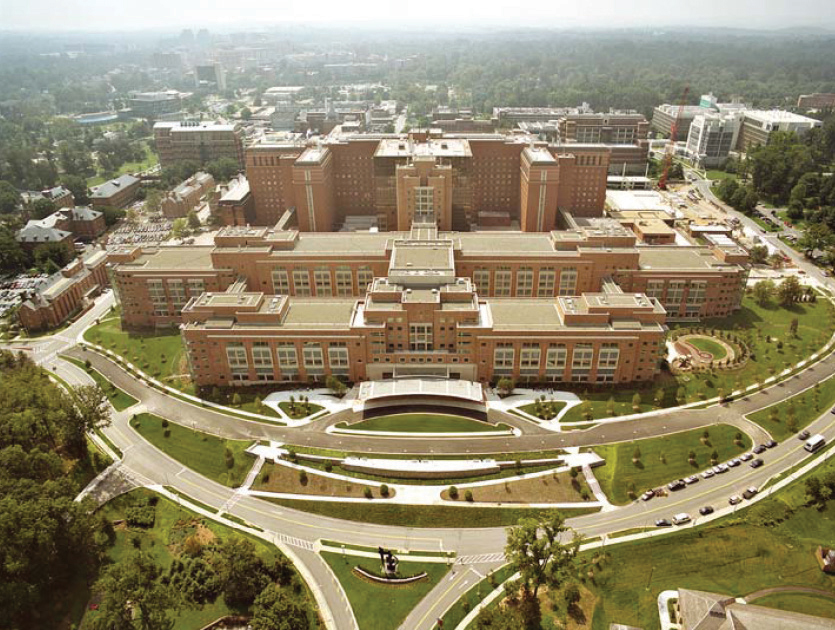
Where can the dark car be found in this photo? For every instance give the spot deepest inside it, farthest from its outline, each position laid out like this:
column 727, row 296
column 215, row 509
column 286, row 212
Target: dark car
column 750, row 492
column 678, row 484
column 832, row 410
column 804, row 435
column 770, row 444
column 663, row 522
column 759, row 448
column 756, row 463
column 704, row 511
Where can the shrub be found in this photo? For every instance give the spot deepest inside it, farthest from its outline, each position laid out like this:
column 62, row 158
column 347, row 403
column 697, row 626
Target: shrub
column 366, row 492
column 453, row 493
column 265, row 477
column 384, row 490
column 166, row 433
column 164, row 423
column 468, row 496
column 328, row 467
column 303, row 477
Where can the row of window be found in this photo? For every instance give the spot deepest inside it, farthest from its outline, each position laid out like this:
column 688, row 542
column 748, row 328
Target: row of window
column 323, row 281
column 556, row 360
column 286, row 358
column 503, row 278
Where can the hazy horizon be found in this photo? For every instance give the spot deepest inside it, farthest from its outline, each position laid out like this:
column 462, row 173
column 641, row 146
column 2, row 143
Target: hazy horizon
column 159, row 15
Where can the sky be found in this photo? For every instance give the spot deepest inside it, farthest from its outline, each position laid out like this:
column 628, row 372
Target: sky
column 122, row 15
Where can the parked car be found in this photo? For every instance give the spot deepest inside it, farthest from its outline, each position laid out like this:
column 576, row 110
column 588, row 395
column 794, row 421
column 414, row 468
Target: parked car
column 756, row 463
column 663, row 522
column 678, row 484
column 722, row 468
column 708, row 474
column 750, row 492
column 804, row 435
column 734, row 463
column 704, row 511
column 691, row 479
column 735, row 499
column 646, row 496
column 681, row 519
column 770, row 444
column 759, row 448
column 746, row 457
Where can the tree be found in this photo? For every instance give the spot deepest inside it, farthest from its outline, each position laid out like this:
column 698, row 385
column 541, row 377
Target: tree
column 636, row 402
column 153, row 200
column 505, row 385
column 789, row 291
column 535, row 549
column 636, row 455
column 193, row 220
column 763, row 292
column 246, row 113
column 77, row 185
column 335, row 385
column 276, row 608
column 758, row 254
column 42, row 208
column 223, row 169
column 12, row 257
column 793, row 327
column 9, row 198
column 179, row 228
column 816, row 236
column 133, row 597
column 90, row 413
column 242, row 573
column 55, row 252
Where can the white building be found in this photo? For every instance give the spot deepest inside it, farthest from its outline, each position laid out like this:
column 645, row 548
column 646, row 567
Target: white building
column 712, row 137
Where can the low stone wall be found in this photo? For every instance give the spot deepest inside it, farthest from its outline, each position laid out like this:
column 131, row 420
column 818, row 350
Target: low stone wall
column 390, row 581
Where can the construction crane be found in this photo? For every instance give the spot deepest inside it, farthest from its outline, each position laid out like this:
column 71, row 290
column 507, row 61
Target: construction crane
column 671, row 145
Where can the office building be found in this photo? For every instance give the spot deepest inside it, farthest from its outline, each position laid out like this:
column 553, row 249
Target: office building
column 817, row 100
column 186, row 196
column 210, row 77
column 758, row 126
column 155, row 104
column 712, row 137
column 116, row 193
column 197, row 141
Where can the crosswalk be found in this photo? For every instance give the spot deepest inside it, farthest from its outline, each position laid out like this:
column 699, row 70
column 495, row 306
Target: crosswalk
column 480, row 559
column 295, row 542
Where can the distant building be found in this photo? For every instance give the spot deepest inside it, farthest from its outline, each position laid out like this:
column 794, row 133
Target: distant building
column 211, row 76
column 509, row 117
column 65, row 294
column 236, row 205
column 817, row 100
column 712, row 137
column 43, row 231
column 759, row 125
column 197, row 141
column 60, row 196
column 62, row 226
column 154, row 104
column 116, row 193
column 186, row 196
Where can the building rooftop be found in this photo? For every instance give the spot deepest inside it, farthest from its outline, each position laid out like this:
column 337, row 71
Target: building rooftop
column 194, row 126
column 175, row 258
column 779, row 116
column 108, row 189
column 625, row 200
column 665, row 258
column 434, row 147
column 319, row 313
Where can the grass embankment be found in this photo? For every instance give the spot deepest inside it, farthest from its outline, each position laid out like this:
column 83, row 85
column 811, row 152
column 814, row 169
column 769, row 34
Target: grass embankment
column 555, row 488
column 421, row 516
column 768, row 544
column 715, row 174
column 544, row 410
column 764, row 329
column 205, row 454
column 620, row 474
column 521, row 455
column 159, row 354
column 164, row 543
column 716, row 350
column 119, row 399
column 793, row 414
column 425, row 423
column 379, row 606
column 278, row 478
column 805, row 603
column 299, row 410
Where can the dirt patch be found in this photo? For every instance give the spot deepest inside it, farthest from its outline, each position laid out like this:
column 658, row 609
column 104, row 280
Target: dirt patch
column 204, row 534
column 577, row 617
column 288, row 480
column 550, row 488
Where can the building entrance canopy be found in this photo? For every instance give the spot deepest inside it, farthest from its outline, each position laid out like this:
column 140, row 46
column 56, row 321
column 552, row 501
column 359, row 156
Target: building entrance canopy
column 462, row 390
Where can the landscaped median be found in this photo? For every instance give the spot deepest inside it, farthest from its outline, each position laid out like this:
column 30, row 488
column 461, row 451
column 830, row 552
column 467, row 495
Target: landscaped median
column 221, row 460
column 424, row 424
column 788, row 417
column 635, row 466
column 280, row 478
column 119, row 399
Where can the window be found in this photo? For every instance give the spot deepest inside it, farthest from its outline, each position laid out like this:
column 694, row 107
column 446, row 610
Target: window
column 675, row 293
column 288, row 361
column 322, row 277
column 301, row 282
column 607, row 362
column 314, row 358
column 555, row 361
column 503, row 357
column 696, row 294
column 547, row 277
column 420, row 337
column 524, row 282
column 529, row 359
column 338, row 358
column 568, row 281
column 236, row 357
column 177, row 292
column 262, row 360
column 281, row 282
column 581, row 362
column 364, row 277
column 503, row 280
column 481, row 278
column 344, row 281
column 196, row 286
column 655, row 289
column 424, row 203
column 156, row 291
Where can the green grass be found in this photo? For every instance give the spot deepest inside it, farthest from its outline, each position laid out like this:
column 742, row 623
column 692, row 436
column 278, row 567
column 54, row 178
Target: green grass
column 425, row 423
column 805, row 603
column 717, row 174
column 765, row 226
column 298, row 410
column 150, row 160
column 161, row 542
column 203, row 453
column 713, row 348
column 378, row 606
column 471, row 598
column 735, row 556
column 555, row 405
column 157, row 354
column 754, row 324
column 421, row 516
column 619, row 472
column 118, row 398
column 804, row 408
column 520, row 455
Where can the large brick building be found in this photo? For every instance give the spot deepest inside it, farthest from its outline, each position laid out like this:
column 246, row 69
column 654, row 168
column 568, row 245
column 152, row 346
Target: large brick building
column 585, row 304
column 197, row 141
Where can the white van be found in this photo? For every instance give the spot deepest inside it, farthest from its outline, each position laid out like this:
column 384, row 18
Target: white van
column 814, row 443
column 681, row 519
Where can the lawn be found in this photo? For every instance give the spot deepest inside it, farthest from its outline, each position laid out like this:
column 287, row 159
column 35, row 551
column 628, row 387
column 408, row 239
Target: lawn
column 378, row 606
column 150, row 160
column 425, row 423
column 278, row 478
column 717, row 174
column 159, row 354
column 164, row 541
column 298, row 410
column 553, row 488
column 789, row 416
column 736, row 556
column 118, row 398
column 421, row 516
column 205, row 454
column 460, row 609
column 545, row 410
column 713, row 348
column 619, row 475
column 805, row 603
column 765, row 329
